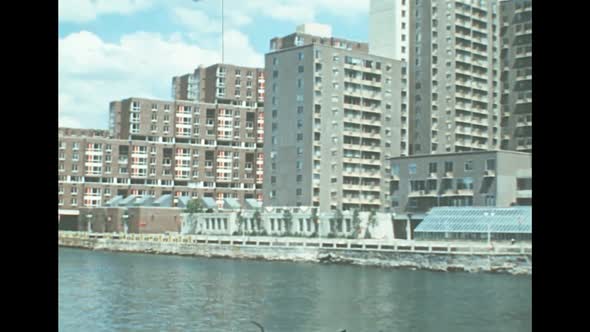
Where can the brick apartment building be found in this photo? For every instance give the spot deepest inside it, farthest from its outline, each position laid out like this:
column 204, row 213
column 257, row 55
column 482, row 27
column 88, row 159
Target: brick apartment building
column 157, row 147
column 223, row 84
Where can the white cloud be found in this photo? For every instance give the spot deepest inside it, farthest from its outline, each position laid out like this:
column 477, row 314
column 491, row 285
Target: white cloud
column 69, row 122
column 88, row 10
column 241, row 13
column 304, row 11
column 93, row 73
column 196, row 20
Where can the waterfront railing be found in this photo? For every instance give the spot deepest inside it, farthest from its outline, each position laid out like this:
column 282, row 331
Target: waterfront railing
column 396, row 245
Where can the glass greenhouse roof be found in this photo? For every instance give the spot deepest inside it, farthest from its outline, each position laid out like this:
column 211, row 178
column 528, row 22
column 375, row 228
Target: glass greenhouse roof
column 477, row 219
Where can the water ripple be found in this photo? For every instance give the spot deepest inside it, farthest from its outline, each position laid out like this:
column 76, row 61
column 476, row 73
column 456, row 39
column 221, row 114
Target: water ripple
column 101, row 291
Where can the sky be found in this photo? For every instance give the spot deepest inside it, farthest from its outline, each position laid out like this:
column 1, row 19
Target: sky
column 115, row 49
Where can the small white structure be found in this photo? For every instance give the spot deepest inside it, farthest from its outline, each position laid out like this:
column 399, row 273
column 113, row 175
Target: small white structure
column 294, row 221
column 315, row 29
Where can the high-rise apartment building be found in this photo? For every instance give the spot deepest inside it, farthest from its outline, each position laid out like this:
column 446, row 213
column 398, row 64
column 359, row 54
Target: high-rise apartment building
column 332, row 118
column 223, row 84
column 389, row 31
column 164, row 147
column 451, row 75
column 517, row 74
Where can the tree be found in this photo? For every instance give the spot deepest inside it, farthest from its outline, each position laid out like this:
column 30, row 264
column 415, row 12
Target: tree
column 356, row 224
column 258, row 219
column 240, row 220
column 316, row 222
column 288, row 217
column 372, row 223
column 192, row 207
column 339, row 220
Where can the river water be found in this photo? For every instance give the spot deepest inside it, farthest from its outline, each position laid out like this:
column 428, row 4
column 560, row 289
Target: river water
column 104, row 291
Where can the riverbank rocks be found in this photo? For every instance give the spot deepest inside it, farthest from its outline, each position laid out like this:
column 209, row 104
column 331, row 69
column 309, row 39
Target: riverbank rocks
column 333, row 259
column 513, row 263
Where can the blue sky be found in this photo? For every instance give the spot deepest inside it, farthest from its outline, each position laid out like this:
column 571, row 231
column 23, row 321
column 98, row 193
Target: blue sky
column 114, row 49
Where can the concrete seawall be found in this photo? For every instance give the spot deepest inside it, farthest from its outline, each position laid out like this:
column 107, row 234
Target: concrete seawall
column 427, row 256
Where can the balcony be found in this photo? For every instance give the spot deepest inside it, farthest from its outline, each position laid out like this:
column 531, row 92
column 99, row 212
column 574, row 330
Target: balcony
column 458, row 192
column 370, row 174
column 370, row 200
column 370, row 94
column 374, row 162
column 463, row 23
column 524, row 77
column 524, row 100
column 366, row 121
column 369, row 134
column 351, row 172
column 524, row 193
column 371, row 148
column 351, row 199
column 489, row 173
column 463, row 71
column 479, row 133
column 356, row 107
column 448, row 175
column 423, row 193
column 350, row 186
column 524, row 124
column 479, row 110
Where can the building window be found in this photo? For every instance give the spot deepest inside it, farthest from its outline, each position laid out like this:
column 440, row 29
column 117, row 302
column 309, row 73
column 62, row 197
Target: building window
column 491, row 164
column 395, row 169
column 490, row 200
column 448, row 166
column 469, row 165
column 432, row 167
column 412, row 168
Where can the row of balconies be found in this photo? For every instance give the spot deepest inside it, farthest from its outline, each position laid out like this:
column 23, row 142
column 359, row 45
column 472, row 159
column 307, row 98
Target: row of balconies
column 470, row 144
column 361, row 200
column 361, row 68
column 372, row 148
column 360, row 133
column 362, row 173
column 358, row 160
column 472, row 119
column 437, row 193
